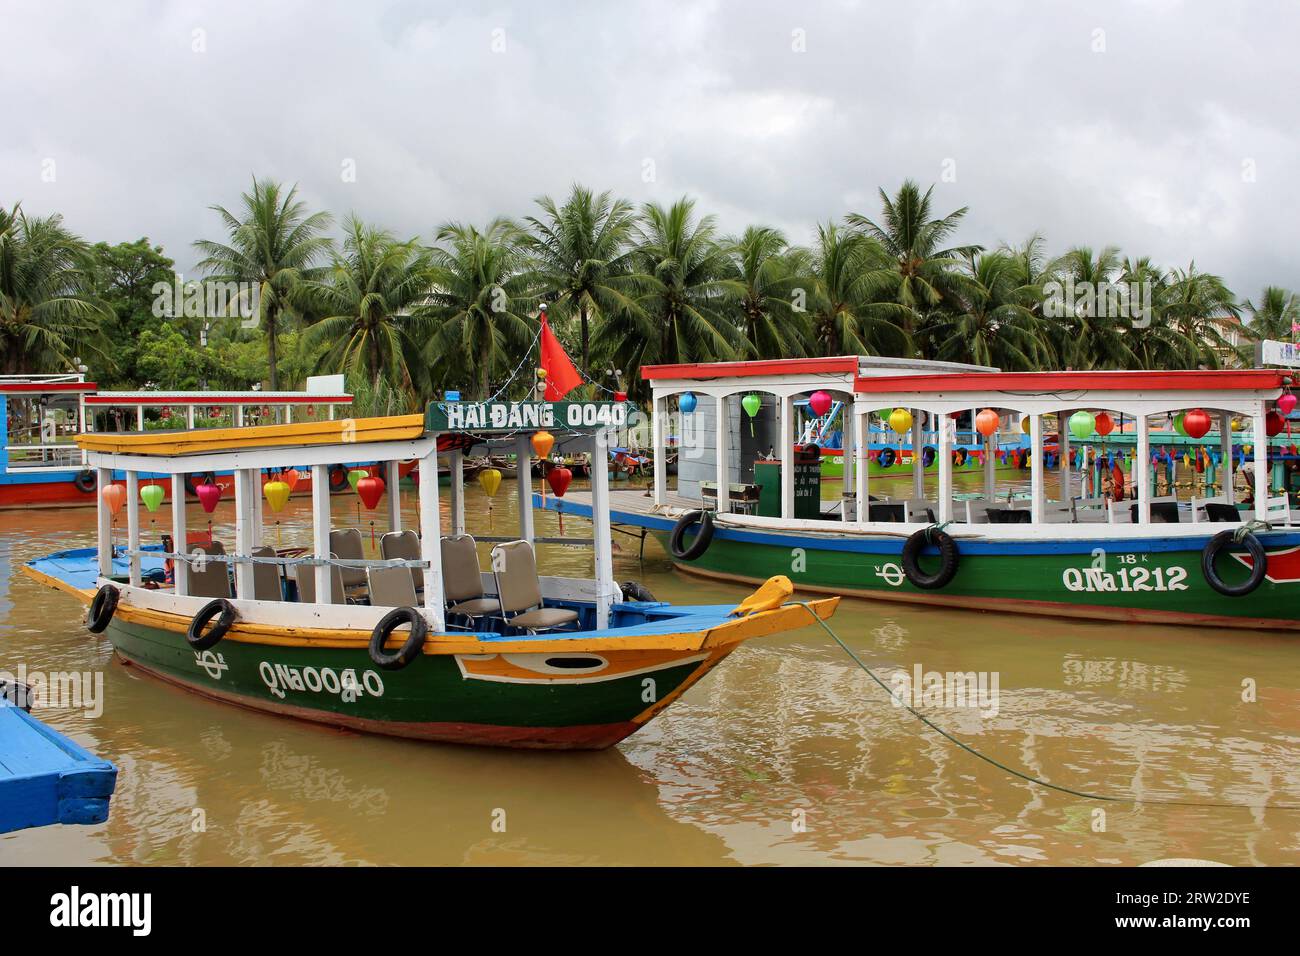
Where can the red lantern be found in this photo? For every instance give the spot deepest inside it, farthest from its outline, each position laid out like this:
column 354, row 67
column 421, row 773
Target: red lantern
column 209, row 495
column 214, row 412
column 266, row 411
column 167, row 412
column 1104, row 424
column 1273, row 424
column 1196, row 423
column 291, row 478
column 620, row 396
column 558, row 479
column 311, row 409
column 986, row 422
column 1286, row 403
column 819, row 402
column 370, row 490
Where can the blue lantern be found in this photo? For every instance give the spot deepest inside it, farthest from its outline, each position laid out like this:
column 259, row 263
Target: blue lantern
column 686, row 403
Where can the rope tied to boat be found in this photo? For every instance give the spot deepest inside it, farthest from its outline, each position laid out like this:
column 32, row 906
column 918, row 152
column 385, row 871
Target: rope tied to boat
column 930, row 532
column 1239, row 535
column 1028, row 778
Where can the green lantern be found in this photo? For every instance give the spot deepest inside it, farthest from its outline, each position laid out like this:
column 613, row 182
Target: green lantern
column 1178, row 424
column 751, row 403
column 355, row 475
column 152, row 496
column 1082, row 424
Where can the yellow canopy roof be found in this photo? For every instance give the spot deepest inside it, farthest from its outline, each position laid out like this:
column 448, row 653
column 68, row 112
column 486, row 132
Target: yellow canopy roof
column 346, row 430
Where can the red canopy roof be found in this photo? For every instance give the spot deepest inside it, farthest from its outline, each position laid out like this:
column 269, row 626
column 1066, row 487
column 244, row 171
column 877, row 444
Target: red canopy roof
column 840, row 364
column 1250, row 380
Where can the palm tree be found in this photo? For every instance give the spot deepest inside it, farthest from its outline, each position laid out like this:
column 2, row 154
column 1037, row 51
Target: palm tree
column 48, row 313
column 1085, row 330
column 371, row 299
column 481, row 303
column 580, row 254
column 681, row 301
column 995, row 326
column 847, row 315
column 1275, row 318
column 1202, row 308
column 272, row 248
column 920, row 274
column 770, row 284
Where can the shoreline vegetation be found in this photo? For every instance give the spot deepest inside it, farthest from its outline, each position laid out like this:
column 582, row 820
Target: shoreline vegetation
column 624, row 286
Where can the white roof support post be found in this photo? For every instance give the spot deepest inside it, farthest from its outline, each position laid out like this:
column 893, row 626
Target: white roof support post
column 244, row 533
column 320, row 529
column 1037, row 492
column 180, row 570
column 601, row 543
column 848, row 457
column 393, row 493
column 133, row 524
column 724, row 455
column 918, row 466
column 787, row 457
column 659, row 414
column 81, row 421
column 256, row 506
column 1142, row 473
column 189, row 416
column 990, row 466
column 1261, row 461
column 1225, row 449
column 947, row 434
column 457, row 492
column 1063, row 428
column 288, row 414
column 104, row 478
column 239, row 415
column 524, row 466
column 139, row 418
column 431, row 537
column 862, row 472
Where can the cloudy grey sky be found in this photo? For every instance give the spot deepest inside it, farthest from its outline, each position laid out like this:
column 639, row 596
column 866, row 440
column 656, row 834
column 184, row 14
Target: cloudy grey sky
column 1164, row 127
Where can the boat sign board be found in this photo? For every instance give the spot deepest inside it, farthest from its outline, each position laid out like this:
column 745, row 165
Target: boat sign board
column 1273, row 352
column 524, row 416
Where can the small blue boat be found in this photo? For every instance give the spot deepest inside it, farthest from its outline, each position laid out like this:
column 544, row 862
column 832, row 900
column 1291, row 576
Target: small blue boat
column 44, row 777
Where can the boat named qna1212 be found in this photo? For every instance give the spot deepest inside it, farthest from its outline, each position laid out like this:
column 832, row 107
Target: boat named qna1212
column 416, row 641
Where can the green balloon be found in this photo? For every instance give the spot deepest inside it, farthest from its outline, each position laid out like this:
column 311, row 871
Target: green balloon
column 1178, row 424
column 751, row 403
column 1082, row 424
column 355, row 475
column 152, row 496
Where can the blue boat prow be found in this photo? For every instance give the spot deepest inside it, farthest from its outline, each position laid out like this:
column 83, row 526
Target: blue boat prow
column 46, row 778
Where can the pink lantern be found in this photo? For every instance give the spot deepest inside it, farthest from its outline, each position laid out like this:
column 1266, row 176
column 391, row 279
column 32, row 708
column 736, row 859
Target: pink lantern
column 1286, row 403
column 819, row 402
column 208, row 496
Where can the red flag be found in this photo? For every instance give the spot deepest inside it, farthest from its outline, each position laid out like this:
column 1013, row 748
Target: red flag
column 561, row 376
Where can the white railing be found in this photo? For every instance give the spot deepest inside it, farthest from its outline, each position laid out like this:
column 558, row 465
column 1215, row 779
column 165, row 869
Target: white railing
column 62, row 455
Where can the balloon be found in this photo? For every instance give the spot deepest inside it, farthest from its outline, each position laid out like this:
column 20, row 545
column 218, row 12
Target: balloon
column 558, row 479
column 208, row 495
column 687, row 403
column 1273, row 424
column 1082, row 424
column 986, row 422
column 291, row 478
column 114, row 496
column 277, row 493
column 152, row 496
column 489, row 480
column 355, row 475
column 751, row 403
column 1178, row 423
column 1286, row 403
column 900, row 420
column 370, row 490
column 1196, row 423
column 1104, row 424
column 819, row 402
column 543, row 441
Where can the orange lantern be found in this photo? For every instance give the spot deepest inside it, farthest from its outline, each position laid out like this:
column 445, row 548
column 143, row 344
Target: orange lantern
column 1104, row 424
column 986, row 422
column 543, row 441
column 114, row 496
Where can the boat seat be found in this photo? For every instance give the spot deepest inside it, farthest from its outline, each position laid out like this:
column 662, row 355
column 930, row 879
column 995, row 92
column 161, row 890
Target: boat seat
column 1221, row 511
column 519, row 589
column 391, row 587
column 1162, row 512
column 346, row 543
column 406, row 546
column 1009, row 516
column 305, row 576
column 890, row 511
column 977, row 511
column 266, row 577
column 213, row 581
column 921, row 510
column 462, row 583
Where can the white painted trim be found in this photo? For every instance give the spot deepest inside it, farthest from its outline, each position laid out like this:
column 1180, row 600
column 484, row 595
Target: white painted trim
column 104, row 517
column 602, row 545
column 524, row 478
column 133, row 524
column 659, row 449
column 260, row 458
column 320, row 530
column 180, row 529
column 393, row 494
column 431, row 537
column 787, row 457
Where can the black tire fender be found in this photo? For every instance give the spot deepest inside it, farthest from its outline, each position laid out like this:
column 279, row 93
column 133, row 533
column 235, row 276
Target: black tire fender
column 85, row 481
column 201, row 641
column 947, row 555
column 409, row 650
column 702, row 540
column 1258, row 565
column 636, row 591
column 338, row 478
column 102, row 608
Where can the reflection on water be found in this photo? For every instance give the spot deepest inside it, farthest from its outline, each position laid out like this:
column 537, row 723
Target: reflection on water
column 787, row 753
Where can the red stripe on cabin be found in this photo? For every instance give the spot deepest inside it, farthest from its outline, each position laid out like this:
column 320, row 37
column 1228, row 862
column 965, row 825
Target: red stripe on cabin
column 809, row 366
column 1251, row 380
column 10, row 388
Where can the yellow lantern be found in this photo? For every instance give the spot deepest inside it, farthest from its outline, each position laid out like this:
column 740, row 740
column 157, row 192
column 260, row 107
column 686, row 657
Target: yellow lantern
column 489, row 480
column 542, row 442
column 1024, row 424
column 277, row 494
column 900, row 420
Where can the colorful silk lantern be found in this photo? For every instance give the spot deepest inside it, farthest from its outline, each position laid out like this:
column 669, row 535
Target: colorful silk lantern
column 1196, row 423
column 277, row 495
column 1082, row 424
column 751, row 403
column 819, row 402
column 1179, row 426
column 370, row 489
column 1273, row 424
column 355, row 475
column 900, row 420
column 986, row 422
column 291, row 477
column 620, row 396
column 489, row 480
column 114, row 496
column 152, row 496
column 208, row 494
column 1024, row 424
column 543, row 442
column 1286, row 403
column 1104, row 424
column 687, row 402
column 558, row 479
